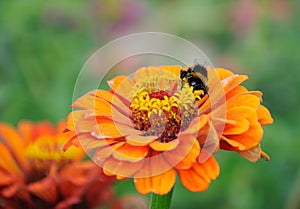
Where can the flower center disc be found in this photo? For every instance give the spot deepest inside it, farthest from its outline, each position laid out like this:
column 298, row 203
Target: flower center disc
column 49, row 149
column 162, row 110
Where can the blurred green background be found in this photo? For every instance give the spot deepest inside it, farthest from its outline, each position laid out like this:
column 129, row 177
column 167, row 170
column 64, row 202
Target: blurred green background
column 44, row 44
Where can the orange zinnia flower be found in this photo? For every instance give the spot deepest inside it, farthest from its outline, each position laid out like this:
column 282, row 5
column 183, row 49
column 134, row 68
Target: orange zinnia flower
column 145, row 128
column 152, row 125
column 35, row 173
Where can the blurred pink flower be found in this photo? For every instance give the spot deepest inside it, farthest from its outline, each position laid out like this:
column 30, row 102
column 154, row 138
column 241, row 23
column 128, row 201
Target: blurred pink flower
column 280, row 10
column 243, row 16
column 116, row 16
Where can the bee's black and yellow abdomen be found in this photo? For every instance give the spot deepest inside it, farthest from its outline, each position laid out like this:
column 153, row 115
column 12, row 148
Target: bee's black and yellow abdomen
column 197, row 83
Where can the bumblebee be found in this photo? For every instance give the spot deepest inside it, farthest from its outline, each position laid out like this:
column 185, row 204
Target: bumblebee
column 196, row 77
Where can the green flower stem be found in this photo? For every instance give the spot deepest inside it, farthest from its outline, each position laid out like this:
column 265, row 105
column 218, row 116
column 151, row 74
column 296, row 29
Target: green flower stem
column 161, row 201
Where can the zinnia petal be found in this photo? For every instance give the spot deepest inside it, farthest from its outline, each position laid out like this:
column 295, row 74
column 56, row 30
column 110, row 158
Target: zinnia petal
column 121, row 86
column 253, row 154
column 7, row 162
column 198, row 178
column 233, row 81
column 138, row 140
column 121, row 168
column 111, row 130
column 160, row 184
column 264, row 116
column 184, row 156
column 243, row 100
column 16, row 145
column 44, row 189
column 223, row 73
column 159, row 146
column 131, row 153
column 252, row 136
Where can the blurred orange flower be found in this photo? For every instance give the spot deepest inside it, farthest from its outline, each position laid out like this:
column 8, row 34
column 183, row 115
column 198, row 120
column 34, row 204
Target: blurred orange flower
column 35, row 173
column 152, row 125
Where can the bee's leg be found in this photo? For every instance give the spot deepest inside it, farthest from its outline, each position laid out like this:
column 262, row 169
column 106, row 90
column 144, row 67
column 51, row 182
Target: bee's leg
column 182, row 84
column 183, row 74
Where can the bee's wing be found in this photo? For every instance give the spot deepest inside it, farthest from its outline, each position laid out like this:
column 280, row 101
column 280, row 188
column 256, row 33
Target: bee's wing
column 200, row 62
column 200, row 68
column 197, row 62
